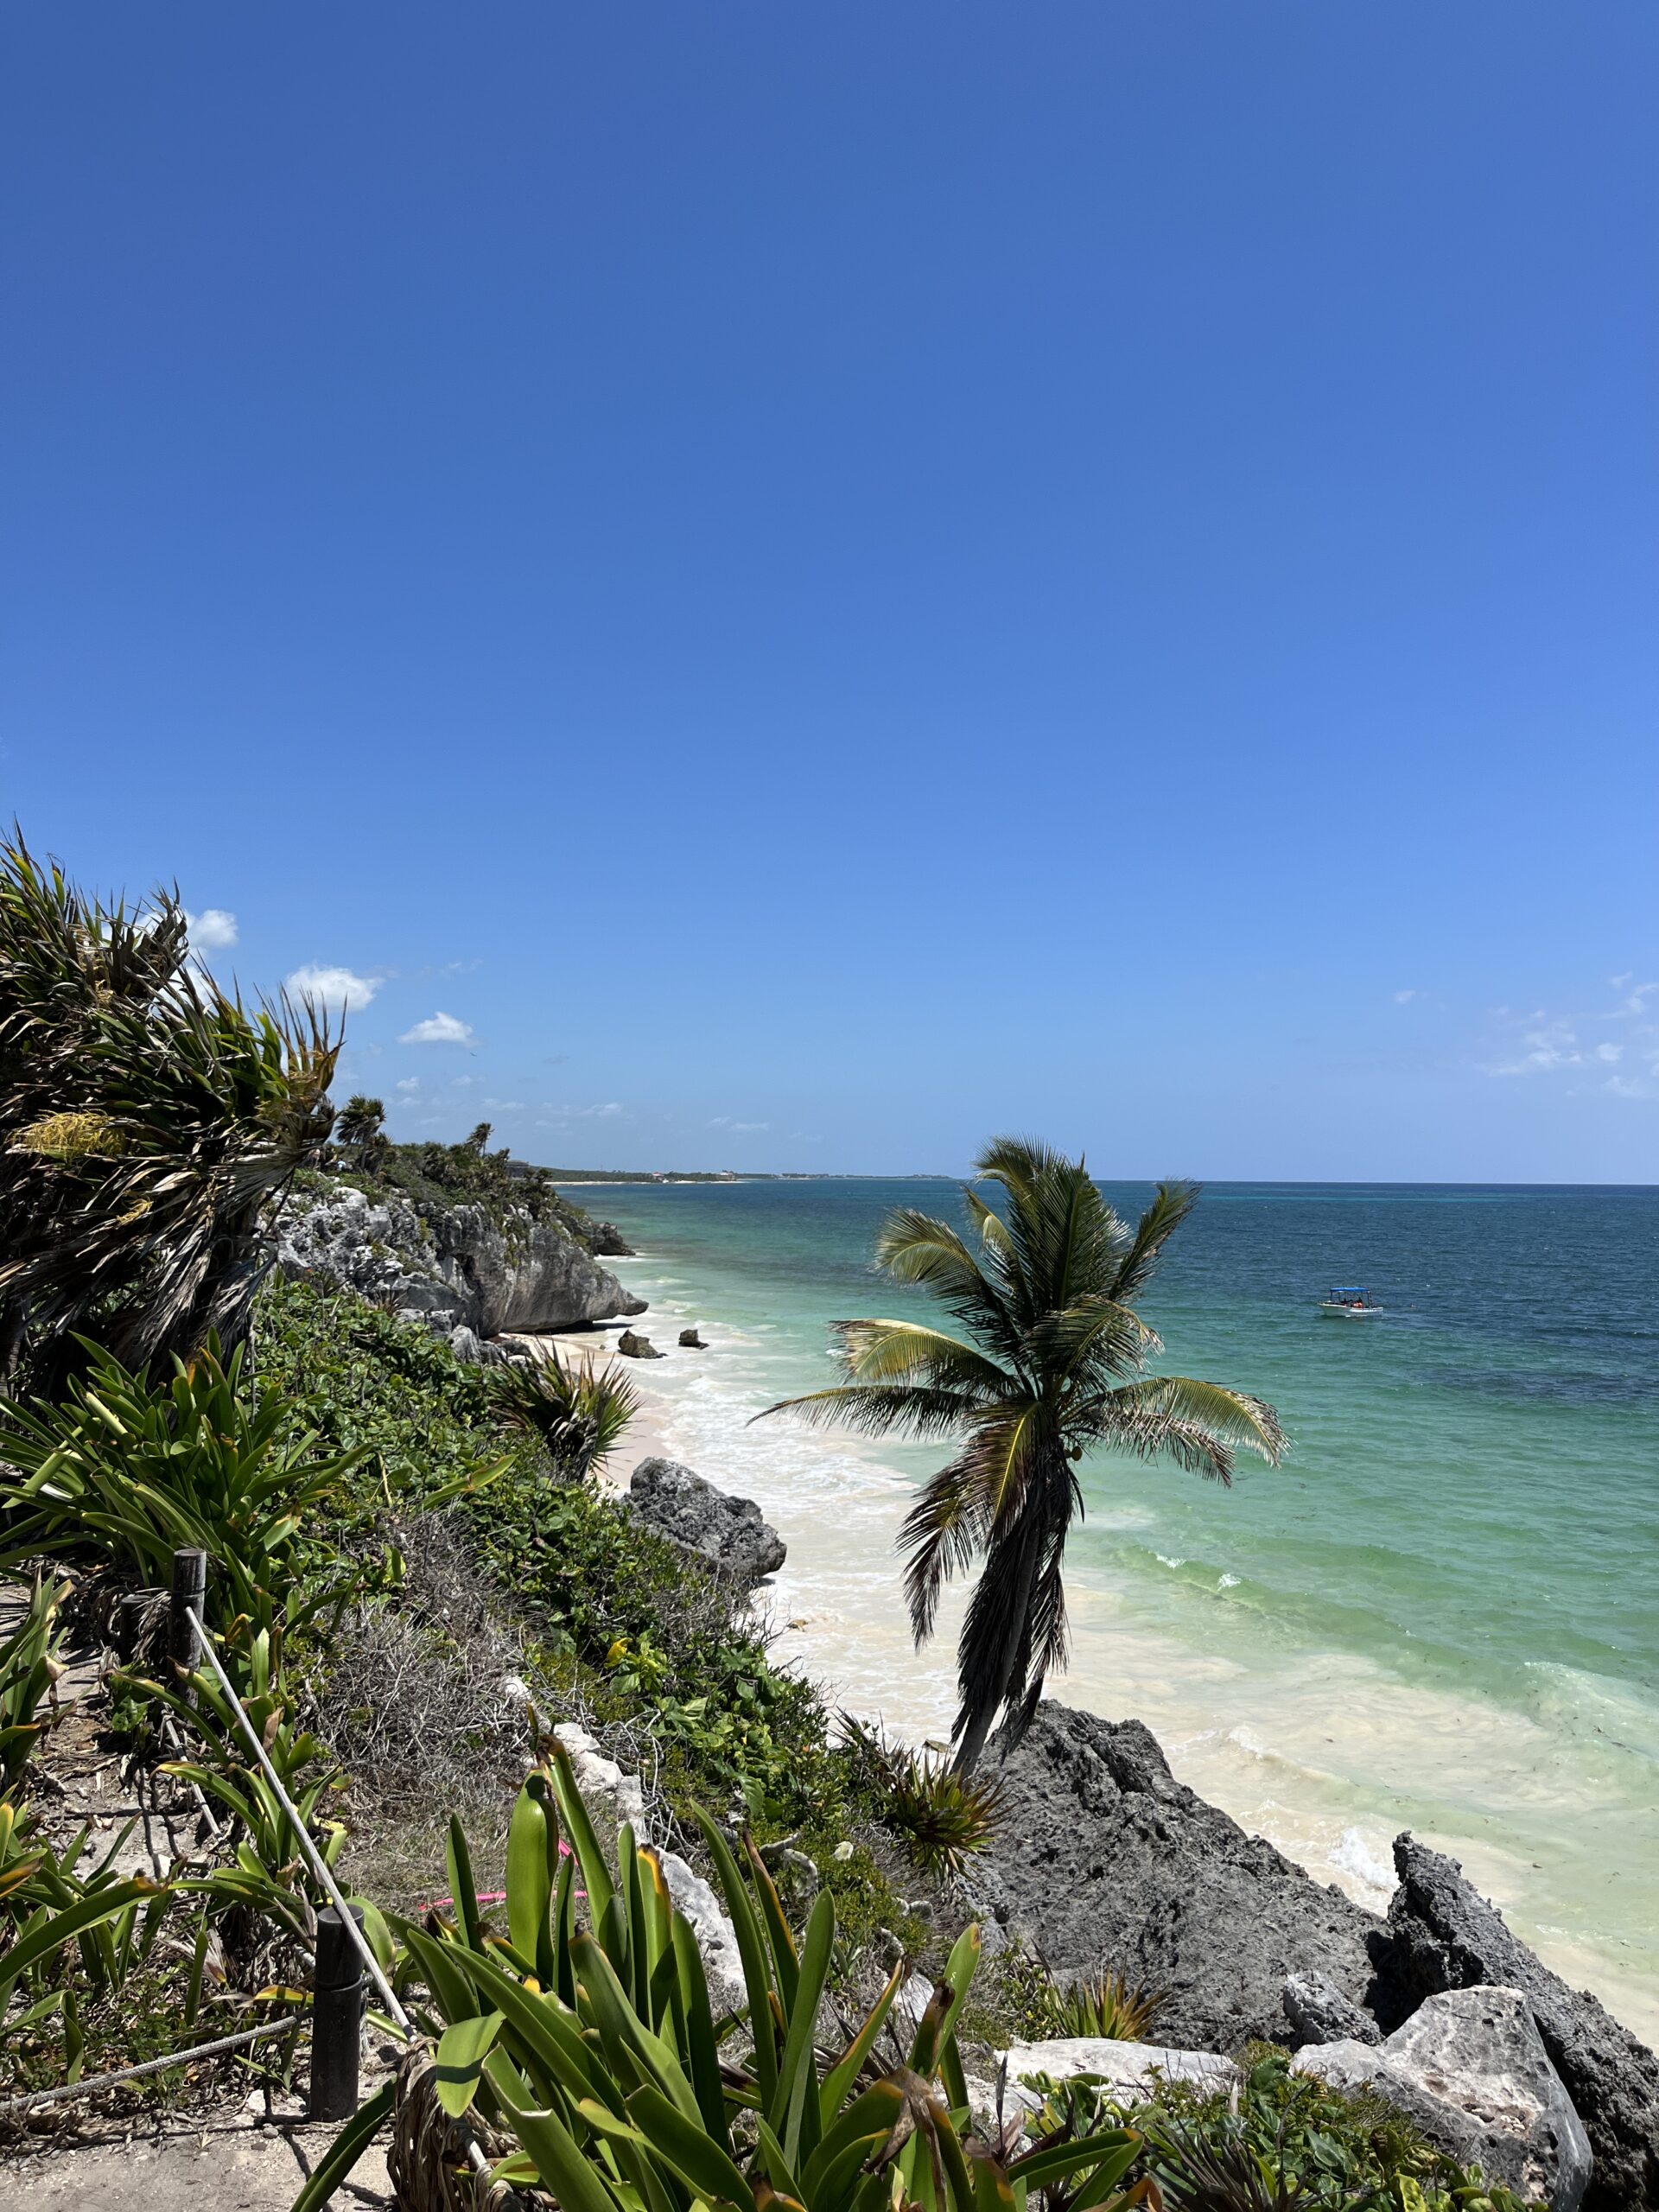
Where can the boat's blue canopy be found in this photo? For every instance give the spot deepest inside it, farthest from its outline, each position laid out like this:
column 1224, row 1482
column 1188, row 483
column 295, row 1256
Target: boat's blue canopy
column 1348, row 1290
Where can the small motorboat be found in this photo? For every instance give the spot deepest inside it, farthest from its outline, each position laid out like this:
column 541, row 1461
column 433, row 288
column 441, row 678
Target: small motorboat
column 1350, row 1301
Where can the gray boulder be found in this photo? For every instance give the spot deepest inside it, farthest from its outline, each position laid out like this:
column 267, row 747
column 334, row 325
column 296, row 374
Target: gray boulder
column 690, row 1341
column 633, row 1346
column 1319, row 2012
column 728, row 1531
column 1442, row 1934
column 1471, row 2069
column 454, row 1269
column 1103, row 1860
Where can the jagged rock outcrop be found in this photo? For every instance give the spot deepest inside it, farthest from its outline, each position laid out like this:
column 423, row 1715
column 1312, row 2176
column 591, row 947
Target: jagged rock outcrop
column 637, row 1347
column 1469, row 2068
column 454, row 1269
column 1442, row 1934
column 728, row 1531
column 1104, row 1858
column 1319, row 2013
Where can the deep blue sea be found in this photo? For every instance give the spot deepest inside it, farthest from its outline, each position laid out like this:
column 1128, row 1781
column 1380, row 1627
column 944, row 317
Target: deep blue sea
column 1440, row 1613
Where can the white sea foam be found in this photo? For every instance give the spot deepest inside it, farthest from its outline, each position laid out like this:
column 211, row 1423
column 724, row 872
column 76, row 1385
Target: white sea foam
column 1227, row 1582
column 1352, row 1854
column 1163, row 1562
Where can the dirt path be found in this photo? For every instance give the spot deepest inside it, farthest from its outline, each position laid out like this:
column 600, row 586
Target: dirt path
column 217, row 2163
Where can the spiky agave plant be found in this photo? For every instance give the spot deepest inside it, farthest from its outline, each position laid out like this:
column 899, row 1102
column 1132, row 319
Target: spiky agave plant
column 147, row 1119
column 1107, row 2007
column 580, row 1412
column 1053, row 1364
column 593, row 2061
column 942, row 1817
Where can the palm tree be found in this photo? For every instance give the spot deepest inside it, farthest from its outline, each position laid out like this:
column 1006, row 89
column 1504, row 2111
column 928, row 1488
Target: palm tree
column 148, row 1123
column 1052, row 1364
column 361, row 1129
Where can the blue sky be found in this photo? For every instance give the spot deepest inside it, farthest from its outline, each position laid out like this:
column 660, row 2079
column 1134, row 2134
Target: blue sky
column 792, row 586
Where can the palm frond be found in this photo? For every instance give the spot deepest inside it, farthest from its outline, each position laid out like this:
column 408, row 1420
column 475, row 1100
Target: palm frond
column 1171, row 1205
column 1233, row 1419
column 881, row 1408
column 905, row 1351
column 1095, row 1338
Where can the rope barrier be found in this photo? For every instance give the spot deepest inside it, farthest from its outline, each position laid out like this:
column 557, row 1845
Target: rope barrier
column 313, row 1856
column 475, row 2155
column 152, row 2065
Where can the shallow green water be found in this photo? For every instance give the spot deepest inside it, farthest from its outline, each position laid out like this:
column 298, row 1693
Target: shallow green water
column 1440, row 1612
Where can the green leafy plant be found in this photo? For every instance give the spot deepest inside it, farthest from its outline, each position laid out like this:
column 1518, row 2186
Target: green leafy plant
column 1053, row 1364
column 580, row 1412
column 1109, row 2007
column 943, row 1817
column 130, row 1471
column 268, row 1873
column 29, row 1665
column 597, row 2051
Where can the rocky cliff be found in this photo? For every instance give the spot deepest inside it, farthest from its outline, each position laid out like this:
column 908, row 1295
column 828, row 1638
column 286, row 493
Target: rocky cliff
column 455, row 1268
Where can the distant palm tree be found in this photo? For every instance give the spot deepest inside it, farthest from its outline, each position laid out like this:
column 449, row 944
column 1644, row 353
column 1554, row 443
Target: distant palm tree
column 360, row 1129
column 1054, row 1363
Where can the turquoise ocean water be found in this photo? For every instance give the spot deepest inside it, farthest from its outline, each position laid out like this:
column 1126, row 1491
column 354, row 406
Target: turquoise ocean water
column 1441, row 1612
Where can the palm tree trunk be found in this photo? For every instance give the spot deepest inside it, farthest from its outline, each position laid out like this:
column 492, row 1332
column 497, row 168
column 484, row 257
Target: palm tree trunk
column 978, row 1714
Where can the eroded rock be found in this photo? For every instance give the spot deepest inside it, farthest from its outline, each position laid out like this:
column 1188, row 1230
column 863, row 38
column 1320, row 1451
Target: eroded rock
column 1102, row 1859
column 1469, row 2068
column 453, row 1269
column 1318, row 2012
column 1134, row 2070
column 728, row 1531
column 1442, row 1934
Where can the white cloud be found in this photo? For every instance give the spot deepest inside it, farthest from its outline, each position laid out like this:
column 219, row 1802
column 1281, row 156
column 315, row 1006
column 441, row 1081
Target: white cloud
column 332, row 987
column 213, row 930
column 742, row 1128
column 1404, row 998
column 1544, row 1044
column 438, row 1029
column 505, row 1105
column 409, row 1085
column 1610, row 1051
column 600, row 1113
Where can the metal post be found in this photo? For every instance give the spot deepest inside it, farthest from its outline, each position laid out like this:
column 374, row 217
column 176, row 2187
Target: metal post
column 336, row 2017
column 189, row 1597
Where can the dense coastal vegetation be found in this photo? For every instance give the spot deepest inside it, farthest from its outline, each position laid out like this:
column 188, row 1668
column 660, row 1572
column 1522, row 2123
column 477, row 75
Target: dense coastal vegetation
column 415, row 1575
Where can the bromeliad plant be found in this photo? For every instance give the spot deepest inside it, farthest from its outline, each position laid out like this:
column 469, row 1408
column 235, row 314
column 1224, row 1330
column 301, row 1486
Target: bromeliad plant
column 597, row 2048
column 128, row 1472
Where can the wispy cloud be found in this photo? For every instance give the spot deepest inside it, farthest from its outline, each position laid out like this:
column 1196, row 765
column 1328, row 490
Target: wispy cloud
column 213, row 930
column 1543, row 1043
column 331, row 987
column 607, row 1112
column 740, row 1129
column 1405, row 998
column 438, row 1029
column 409, row 1085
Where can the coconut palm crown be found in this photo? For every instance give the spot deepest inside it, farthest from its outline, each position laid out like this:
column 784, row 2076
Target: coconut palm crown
column 1053, row 1363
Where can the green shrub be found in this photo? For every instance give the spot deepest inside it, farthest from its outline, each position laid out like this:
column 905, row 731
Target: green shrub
column 29, row 1667
column 1280, row 2140
column 580, row 1412
column 126, row 1471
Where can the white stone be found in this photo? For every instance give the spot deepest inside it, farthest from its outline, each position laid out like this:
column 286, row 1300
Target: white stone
column 1132, row 2070
column 722, row 1963
column 611, row 1797
column 1470, row 2068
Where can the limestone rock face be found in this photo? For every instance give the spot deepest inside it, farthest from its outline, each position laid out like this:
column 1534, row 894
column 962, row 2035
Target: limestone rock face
column 1470, row 2068
column 1103, row 1860
column 1319, row 2012
column 454, row 1269
column 728, row 1531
